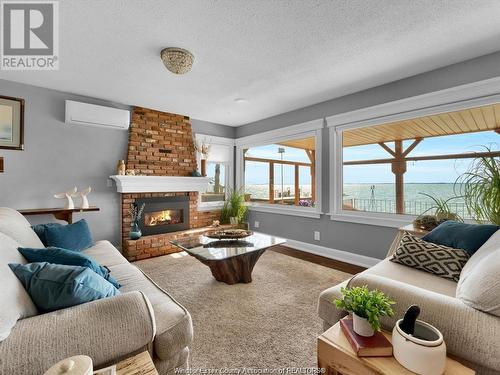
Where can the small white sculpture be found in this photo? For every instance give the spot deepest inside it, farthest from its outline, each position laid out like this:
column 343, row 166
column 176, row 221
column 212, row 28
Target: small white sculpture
column 83, row 195
column 69, row 197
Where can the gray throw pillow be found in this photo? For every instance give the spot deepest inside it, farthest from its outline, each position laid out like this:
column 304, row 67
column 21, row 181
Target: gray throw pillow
column 442, row 261
column 479, row 288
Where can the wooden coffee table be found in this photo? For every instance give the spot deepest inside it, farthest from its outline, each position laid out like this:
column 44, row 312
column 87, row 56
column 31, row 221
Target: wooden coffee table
column 140, row 364
column 336, row 355
column 231, row 261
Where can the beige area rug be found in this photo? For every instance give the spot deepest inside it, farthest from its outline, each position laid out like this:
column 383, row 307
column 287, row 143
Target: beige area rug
column 271, row 322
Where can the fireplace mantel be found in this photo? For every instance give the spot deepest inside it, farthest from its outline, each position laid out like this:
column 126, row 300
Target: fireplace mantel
column 159, row 184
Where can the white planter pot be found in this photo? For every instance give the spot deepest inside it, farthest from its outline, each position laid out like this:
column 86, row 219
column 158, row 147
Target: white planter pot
column 424, row 352
column 361, row 326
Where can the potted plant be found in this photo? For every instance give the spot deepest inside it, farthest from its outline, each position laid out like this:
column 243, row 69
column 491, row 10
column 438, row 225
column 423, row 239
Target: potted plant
column 136, row 214
column 480, row 187
column 366, row 306
column 234, row 210
column 442, row 212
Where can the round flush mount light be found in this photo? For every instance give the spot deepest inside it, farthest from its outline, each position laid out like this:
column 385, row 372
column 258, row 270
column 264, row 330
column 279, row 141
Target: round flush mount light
column 240, row 100
column 177, row 60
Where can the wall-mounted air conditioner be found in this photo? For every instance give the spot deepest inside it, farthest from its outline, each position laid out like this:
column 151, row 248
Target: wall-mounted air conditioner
column 78, row 113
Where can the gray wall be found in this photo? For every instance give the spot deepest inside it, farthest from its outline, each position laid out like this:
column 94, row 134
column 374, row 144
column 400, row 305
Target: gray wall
column 361, row 239
column 58, row 156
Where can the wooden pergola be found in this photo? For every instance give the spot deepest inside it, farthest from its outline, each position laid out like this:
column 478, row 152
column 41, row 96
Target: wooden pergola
column 306, row 144
column 479, row 119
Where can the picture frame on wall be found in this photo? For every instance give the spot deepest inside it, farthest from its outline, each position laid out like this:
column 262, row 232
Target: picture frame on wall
column 11, row 123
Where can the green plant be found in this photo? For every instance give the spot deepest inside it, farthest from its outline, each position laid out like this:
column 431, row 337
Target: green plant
column 234, row 206
column 369, row 304
column 443, row 211
column 480, row 186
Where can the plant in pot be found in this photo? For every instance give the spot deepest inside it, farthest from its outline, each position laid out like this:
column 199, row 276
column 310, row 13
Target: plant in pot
column 480, row 187
column 136, row 214
column 442, row 212
column 366, row 306
column 234, row 210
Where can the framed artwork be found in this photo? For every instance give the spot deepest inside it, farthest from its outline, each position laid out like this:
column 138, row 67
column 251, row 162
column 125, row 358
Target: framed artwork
column 11, row 123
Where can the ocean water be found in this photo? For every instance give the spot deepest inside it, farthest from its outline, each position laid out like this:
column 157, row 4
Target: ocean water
column 381, row 197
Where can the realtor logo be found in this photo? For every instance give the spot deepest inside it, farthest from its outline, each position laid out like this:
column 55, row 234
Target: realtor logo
column 30, row 35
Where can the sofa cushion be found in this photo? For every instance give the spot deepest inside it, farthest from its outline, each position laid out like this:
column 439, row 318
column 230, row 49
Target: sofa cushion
column 469, row 237
column 174, row 329
column 490, row 246
column 105, row 254
column 74, row 236
column 56, row 255
column 16, row 303
column 479, row 288
column 439, row 260
column 15, row 225
column 54, row 286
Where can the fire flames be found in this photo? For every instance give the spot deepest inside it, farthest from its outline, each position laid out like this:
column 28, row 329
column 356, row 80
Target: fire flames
column 159, row 218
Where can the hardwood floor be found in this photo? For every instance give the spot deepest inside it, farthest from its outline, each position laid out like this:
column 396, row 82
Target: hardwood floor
column 323, row 261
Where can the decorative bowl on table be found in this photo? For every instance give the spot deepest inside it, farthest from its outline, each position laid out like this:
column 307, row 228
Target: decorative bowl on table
column 232, row 234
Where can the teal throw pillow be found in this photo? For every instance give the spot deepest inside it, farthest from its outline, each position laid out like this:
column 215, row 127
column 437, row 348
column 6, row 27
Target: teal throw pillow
column 54, row 286
column 74, row 236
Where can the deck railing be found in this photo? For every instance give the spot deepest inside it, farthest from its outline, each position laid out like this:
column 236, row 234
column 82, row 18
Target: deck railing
column 410, row 207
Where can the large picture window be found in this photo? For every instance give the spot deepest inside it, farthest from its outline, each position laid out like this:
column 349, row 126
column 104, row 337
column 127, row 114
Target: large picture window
column 407, row 167
column 279, row 170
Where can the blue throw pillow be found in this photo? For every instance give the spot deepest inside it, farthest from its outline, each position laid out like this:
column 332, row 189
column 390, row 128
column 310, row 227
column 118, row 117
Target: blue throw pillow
column 57, row 255
column 53, row 286
column 40, row 230
column 74, row 236
column 469, row 237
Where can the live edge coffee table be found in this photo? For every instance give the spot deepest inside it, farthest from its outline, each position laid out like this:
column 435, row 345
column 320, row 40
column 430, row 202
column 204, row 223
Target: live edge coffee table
column 231, row 261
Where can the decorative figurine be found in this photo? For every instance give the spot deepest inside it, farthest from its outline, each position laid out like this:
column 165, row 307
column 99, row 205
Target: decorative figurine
column 215, row 223
column 69, row 197
column 130, row 172
column 83, row 196
column 121, row 168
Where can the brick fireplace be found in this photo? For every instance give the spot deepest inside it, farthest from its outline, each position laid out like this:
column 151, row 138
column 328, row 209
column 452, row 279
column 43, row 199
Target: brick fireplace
column 161, row 144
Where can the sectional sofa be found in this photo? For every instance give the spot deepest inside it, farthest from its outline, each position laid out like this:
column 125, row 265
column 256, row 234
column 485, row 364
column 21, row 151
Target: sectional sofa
column 143, row 317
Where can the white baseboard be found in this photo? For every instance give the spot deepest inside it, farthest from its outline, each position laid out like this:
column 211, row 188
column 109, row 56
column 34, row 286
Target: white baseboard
column 343, row 256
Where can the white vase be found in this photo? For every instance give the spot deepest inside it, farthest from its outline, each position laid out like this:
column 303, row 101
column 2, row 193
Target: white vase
column 361, row 326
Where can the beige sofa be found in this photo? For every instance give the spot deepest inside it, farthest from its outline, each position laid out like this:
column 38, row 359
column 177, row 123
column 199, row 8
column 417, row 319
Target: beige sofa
column 471, row 335
column 142, row 317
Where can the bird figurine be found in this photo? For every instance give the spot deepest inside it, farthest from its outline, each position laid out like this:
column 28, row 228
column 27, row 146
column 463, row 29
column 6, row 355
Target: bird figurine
column 408, row 323
column 68, row 195
column 83, row 196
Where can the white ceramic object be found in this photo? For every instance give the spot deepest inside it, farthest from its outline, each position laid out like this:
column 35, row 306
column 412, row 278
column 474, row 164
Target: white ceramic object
column 424, row 352
column 77, row 365
column 362, row 326
column 83, row 195
column 68, row 195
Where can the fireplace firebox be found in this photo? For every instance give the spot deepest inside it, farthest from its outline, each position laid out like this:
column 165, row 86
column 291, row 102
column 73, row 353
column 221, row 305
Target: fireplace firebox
column 164, row 214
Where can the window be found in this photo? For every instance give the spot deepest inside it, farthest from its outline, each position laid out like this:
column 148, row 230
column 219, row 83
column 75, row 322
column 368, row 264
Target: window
column 219, row 170
column 278, row 171
column 401, row 167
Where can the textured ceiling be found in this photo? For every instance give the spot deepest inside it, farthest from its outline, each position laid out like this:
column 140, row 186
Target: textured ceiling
column 278, row 55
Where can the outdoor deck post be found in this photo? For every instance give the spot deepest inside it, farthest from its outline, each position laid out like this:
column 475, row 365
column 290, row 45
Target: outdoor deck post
column 297, row 189
column 271, row 182
column 398, row 167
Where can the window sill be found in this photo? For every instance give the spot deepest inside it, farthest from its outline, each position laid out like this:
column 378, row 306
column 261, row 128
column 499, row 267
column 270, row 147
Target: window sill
column 292, row 211
column 381, row 220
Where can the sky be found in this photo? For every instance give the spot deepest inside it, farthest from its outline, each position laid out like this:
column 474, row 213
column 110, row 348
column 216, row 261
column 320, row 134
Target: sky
column 437, row 171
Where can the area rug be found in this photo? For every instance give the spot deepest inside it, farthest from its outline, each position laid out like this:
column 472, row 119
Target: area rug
column 271, row 322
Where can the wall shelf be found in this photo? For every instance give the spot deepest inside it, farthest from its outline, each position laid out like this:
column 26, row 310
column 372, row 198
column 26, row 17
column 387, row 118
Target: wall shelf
column 65, row 214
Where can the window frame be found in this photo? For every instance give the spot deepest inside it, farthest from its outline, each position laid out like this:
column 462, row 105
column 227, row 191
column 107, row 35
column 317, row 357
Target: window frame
column 400, row 110
column 228, row 168
column 303, row 130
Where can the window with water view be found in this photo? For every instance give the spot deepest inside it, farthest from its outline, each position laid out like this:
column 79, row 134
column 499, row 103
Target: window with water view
column 403, row 167
column 215, row 192
column 281, row 173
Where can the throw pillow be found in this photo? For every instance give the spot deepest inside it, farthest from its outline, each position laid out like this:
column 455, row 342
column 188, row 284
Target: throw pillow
column 479, row 287
column 54, row 286
column 469, row 237
column 74, row 236
column 40, row 230
column 439, row 260
column 15, row 225
column 16, row 303
column 490, row 246
column 57, row 255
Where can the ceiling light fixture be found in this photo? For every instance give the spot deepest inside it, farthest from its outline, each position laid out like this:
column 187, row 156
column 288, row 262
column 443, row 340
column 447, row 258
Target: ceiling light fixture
column 240, row 100
column 177, row 60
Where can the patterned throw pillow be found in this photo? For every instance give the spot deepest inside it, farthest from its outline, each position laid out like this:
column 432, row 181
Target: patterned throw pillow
column 439, row 260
